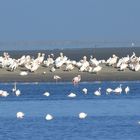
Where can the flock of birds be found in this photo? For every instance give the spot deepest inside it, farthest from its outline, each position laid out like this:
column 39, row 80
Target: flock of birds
column 93, row 66
column 118, row 90
column 4, row 93
column 82, row 115
column 31, row 64
column 48, row 117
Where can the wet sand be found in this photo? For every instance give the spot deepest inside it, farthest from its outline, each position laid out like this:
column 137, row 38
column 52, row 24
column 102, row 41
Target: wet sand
column 106, row 74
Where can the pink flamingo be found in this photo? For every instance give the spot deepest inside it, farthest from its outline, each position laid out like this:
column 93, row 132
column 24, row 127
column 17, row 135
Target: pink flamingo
column 76, row 79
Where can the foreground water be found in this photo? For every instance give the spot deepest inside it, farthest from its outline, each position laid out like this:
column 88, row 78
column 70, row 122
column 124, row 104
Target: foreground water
column 109, row 116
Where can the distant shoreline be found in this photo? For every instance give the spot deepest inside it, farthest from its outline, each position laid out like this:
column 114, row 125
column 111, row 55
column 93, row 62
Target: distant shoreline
column 78, row 53
column 107, row 74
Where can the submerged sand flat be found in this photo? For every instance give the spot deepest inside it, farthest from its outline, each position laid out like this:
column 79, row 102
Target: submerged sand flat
column 107, row 73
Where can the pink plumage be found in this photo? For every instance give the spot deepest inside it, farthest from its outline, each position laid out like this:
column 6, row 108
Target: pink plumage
column 76, row 79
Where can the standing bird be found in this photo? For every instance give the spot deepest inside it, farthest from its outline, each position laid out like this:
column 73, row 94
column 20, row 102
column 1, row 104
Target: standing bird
column 15, row 90
column 84, row 90
column 76, row 79
column 127, row 89
column 15, row 87
column 98, row 92
column 118, row 90
column 56, row 77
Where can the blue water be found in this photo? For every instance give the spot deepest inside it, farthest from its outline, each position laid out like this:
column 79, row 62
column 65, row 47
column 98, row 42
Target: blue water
column 110, row 117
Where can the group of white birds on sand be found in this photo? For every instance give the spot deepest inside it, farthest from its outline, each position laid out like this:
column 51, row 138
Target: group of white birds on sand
column 48, row 117
column 31, row 64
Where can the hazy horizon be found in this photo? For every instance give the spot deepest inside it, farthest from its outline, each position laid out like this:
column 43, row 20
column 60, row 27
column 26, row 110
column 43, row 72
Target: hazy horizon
column 25, row 23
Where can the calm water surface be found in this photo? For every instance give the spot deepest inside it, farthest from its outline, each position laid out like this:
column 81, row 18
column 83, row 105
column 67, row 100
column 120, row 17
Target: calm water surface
column 109, row 117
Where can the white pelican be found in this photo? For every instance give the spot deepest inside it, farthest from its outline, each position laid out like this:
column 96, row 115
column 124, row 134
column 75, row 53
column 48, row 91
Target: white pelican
column 84, row 65
column 98, row 92
column 137, row 67
column 34, row 67
column 46, row 94
column 48, row 62
column 123, row 66
column 113, row 60
column 76, row 79
column 72, row 95
column 49, row 117
column 118, row 90
column 84, row 90
column 20, row 115
column 93, row 61
column 82, row 115
column 97, row 69
column 127, row 89
column 69, row 67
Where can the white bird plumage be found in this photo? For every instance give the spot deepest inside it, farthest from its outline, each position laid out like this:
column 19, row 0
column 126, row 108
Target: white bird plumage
column 118, row 90
column 46, row 94
column 49, row 117
column 98, row 92
column 17, row 92
column 3, row 93
column 72, row 95
column 85, row 90
column 82, row 115
column 56, row 77
column 97, row 69
column 20, row 115
column 23, row 73
column 76, row 79
column 127, row 89
column 109, row 90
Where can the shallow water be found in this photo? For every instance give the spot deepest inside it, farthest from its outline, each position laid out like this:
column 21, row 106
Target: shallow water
column 109, row 116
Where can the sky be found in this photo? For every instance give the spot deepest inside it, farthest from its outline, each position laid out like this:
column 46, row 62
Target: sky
column 30, row 24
